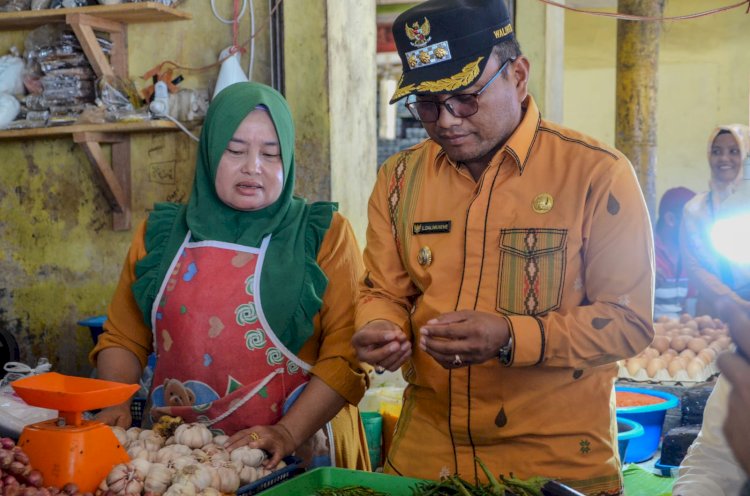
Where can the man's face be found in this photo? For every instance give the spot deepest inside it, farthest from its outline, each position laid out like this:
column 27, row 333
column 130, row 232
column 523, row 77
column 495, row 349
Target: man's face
column 476, row 138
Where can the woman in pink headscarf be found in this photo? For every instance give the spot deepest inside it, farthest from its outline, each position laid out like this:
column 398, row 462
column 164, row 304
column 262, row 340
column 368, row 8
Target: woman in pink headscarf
column 710, row 273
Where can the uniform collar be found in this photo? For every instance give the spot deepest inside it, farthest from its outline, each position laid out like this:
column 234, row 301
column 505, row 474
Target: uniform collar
column 519, row 145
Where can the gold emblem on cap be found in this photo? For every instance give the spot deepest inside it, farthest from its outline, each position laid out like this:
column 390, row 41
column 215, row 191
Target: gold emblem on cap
column 425, row 256
column 424, row 57
column 542, row 203
column 440, row 52
column 412, row 61
column 419, row 34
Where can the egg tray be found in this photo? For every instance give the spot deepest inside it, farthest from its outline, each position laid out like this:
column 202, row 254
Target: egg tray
column 662, row 377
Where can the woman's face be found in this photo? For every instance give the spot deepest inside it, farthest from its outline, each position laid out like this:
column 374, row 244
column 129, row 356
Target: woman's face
column 726, row 158
column 250, row 174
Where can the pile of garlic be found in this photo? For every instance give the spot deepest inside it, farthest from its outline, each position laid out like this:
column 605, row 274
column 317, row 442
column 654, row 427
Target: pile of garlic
column 191, row 462
column 682, row 350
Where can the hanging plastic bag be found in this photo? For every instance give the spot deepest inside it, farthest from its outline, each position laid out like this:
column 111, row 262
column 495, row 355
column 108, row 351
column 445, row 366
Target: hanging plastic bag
column 11, row 75
column 15, row 414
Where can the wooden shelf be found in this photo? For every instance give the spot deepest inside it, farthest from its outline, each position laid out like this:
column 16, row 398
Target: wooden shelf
column 126, row 13
column 85, row 21
column 66, row 131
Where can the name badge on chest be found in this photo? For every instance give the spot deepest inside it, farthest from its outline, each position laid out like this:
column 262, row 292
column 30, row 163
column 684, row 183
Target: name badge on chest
column 435, row 227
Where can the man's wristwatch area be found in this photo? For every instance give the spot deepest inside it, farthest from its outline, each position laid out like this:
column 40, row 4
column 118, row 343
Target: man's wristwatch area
column 506, row 352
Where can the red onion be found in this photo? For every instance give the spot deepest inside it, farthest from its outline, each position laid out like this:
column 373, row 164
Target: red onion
column 6, row 442
column 22, row 457
column 35, row 478
column 9, row 480
column 43, row 491
column 19, row 468
column 6, row 458
column 30, row 491
column 70, row 488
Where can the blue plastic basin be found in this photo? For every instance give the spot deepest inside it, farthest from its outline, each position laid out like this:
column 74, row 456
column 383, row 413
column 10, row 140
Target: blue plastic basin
column 95, row 325
column 651, row 418
column 626, row 430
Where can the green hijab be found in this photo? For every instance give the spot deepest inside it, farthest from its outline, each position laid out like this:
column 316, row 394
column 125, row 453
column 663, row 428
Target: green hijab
column 292, row 283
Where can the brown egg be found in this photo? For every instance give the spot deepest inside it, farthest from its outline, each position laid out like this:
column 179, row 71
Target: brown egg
column 704, row 321
column 697, row 344
column 695, row 368
column 687, row 331
column 662, row 319
column 675, row 366
column 634, row 365
column 692, row 325
column 672, row 325
column 685, row 317
column 707, row 356
column 724, row 342
column 670, row 351
column 650, row 352
column 660, row 343
column 687, row 353
column 679, row 343
column 659, row 329
column 654, row 366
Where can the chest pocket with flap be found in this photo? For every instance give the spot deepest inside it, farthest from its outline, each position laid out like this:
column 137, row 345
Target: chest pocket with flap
column 531, row 270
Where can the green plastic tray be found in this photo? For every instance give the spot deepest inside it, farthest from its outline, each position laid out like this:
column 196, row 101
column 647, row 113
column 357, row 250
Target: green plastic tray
column 308, row 483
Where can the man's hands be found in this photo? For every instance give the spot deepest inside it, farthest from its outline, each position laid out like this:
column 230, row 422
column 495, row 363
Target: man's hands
column 466, row 337
column 737, row 423
column 382, row 343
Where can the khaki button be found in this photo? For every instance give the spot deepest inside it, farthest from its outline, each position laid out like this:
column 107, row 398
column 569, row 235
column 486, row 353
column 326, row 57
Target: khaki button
column 542, row 203
column 425, row 256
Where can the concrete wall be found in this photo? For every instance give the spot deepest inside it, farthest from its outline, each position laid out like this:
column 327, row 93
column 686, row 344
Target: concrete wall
column 59, row 259
column 704, row 69
column 330, row 71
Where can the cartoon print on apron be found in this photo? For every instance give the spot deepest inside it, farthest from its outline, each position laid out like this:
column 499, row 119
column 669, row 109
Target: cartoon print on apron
column 218, row 360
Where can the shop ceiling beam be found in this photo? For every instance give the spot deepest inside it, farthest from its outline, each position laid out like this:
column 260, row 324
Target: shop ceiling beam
column 115, row 175
column 636, row 92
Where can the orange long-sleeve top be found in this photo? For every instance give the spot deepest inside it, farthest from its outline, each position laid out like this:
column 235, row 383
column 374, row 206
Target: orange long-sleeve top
column 555, row 236
column 329, row 349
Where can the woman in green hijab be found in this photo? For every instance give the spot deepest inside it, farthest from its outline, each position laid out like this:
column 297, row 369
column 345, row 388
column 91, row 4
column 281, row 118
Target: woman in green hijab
column 246, row 295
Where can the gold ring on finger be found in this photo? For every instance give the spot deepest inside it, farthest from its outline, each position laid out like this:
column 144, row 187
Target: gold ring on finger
column 254, row 436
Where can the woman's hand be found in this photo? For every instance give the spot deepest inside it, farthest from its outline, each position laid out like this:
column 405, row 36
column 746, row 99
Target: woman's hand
column 458, row 339
column 276, row 440
column 116, row 416
column 383, row 344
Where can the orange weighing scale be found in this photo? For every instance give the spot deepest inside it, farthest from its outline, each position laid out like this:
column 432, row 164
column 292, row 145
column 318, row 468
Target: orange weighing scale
column 69, row 448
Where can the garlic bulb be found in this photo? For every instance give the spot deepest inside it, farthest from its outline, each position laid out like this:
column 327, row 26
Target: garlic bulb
column 197, row 474
column 248, row 475
column 209, row 491
column 169, row 453
column 181, row 489
column 221, row 440
column 158, row 479
column 121, row 435
column 133, row 433
column 225, row 478
column 181, row 462
column 124, row 479
column 193, row 435
column 251, row 457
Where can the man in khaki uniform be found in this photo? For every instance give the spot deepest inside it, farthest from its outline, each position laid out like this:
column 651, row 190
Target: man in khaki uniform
column 509, row 265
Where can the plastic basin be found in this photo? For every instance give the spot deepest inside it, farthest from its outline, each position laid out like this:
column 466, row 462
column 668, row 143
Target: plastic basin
column 95, row 325
column 651, row 418
column 626, row 430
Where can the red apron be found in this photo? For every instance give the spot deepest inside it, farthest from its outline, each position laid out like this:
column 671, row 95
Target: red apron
column 218, row 361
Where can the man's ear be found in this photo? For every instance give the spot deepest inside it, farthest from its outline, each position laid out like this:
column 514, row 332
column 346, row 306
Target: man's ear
column 520, row 70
